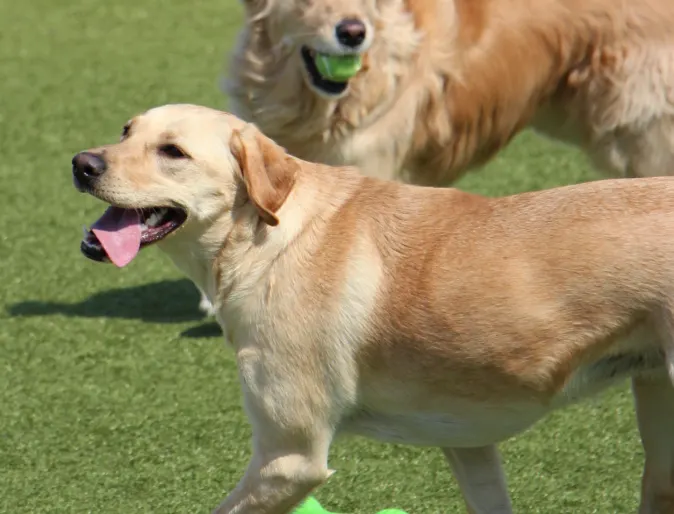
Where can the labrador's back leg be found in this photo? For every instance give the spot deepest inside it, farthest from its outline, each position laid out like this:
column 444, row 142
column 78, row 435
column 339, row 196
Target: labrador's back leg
column 654, row 401
column 481, row 479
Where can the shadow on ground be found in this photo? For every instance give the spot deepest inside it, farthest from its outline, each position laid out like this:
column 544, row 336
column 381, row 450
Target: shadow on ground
column 204, row 330
column 169, row 301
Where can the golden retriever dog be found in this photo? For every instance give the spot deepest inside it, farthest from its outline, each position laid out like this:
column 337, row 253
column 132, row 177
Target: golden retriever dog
column 447, row 83
column 409, row 314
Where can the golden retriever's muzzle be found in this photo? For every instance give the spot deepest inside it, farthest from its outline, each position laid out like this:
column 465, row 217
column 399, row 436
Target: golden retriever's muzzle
column 350, row 38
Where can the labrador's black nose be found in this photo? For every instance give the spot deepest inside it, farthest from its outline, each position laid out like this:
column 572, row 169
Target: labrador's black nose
column 87, row 167
column 351, row 32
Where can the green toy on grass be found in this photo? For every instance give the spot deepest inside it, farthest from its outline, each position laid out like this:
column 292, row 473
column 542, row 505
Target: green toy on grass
column 338, row 68
column 311, row 506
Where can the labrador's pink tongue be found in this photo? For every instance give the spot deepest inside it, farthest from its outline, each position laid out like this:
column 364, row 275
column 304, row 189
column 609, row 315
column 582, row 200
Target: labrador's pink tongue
column 119, row 232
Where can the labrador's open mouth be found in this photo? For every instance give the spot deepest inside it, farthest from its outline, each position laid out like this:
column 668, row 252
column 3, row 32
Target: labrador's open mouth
column 329, row 87
column 120, row 233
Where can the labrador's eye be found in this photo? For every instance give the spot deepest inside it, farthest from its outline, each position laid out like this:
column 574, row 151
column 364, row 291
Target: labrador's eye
column 172, row 151
column 125, row 131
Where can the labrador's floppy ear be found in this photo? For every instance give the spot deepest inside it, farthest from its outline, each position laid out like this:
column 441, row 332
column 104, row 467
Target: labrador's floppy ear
column 268, row 171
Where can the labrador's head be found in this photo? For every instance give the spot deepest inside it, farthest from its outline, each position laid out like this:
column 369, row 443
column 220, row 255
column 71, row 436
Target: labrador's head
column 177, row 170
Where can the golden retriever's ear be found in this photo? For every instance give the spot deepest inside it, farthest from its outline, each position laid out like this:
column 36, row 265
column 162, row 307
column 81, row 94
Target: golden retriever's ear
column 268, row 171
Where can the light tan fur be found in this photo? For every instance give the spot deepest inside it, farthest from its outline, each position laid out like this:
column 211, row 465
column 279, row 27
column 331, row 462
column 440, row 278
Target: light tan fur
column 405, row 313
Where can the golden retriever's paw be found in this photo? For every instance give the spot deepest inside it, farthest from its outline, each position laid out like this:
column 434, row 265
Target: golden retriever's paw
column 206, row 306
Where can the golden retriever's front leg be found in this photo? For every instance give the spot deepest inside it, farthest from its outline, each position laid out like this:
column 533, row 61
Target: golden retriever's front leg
column 654, row 400
column 481, row 479
column 205, row 304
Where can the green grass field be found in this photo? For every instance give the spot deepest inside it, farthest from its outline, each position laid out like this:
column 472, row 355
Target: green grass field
column 115, row 395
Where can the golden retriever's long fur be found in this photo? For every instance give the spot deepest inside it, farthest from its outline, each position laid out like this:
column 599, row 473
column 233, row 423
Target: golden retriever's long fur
column 447, row 83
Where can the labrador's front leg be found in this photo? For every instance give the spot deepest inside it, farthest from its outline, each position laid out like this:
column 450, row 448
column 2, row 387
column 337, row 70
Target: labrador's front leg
column 293, row 416
column 276, row 482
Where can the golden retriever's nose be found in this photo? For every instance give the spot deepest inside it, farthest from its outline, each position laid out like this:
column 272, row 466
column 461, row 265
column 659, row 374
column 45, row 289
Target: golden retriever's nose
column 86, row 168
column 351, row 32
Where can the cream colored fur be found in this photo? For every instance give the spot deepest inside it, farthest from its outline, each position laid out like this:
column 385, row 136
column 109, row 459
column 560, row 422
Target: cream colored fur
column 408, row 314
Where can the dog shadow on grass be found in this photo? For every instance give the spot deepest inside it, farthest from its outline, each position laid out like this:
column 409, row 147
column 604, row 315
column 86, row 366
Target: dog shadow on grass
column 168, row 301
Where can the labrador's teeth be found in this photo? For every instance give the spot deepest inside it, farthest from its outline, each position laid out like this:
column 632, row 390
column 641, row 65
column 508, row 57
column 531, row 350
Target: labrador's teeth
column 155, row 217
column 85, row 231
column 152, row 220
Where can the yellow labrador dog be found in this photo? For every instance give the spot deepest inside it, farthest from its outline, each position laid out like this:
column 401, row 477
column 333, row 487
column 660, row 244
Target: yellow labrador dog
column 408, row 314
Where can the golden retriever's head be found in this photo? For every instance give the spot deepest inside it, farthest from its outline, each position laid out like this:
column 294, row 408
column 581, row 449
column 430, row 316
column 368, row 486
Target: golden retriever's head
column 179, row 167
column 311, row 28
column 283, row 39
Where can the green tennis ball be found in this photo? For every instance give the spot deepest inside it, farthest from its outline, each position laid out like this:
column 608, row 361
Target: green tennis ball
column 311, row 506
column 339, row 68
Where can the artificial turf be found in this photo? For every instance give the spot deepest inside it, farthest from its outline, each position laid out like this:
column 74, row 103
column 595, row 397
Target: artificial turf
column 115, row 394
